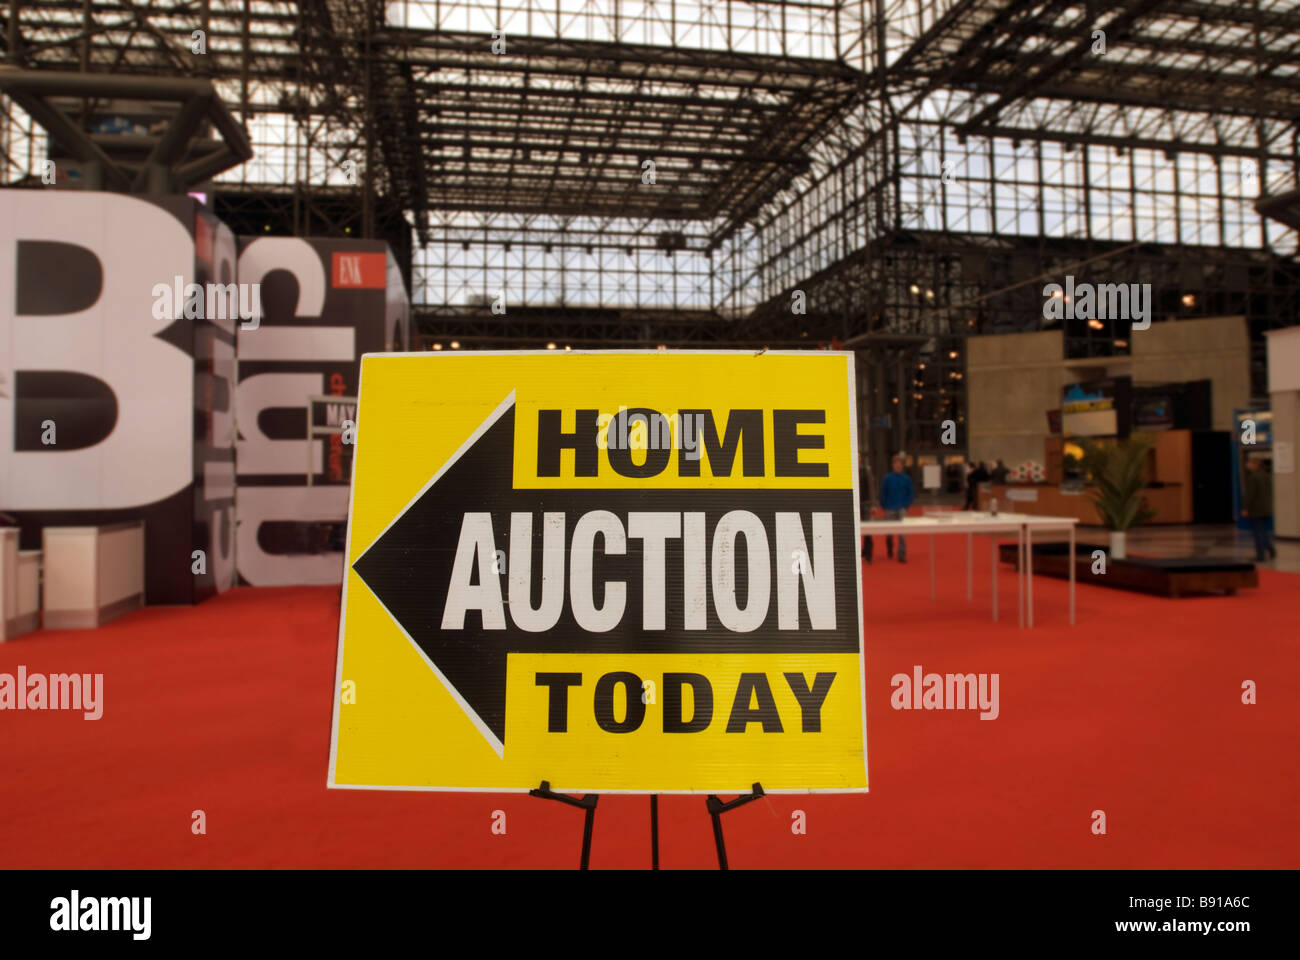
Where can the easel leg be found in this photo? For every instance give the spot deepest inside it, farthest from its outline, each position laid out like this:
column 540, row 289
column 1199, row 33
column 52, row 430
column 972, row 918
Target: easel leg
column 654, row 831
column 716, row 808
column 718, row 841
column 587, row 828
column 587, row 803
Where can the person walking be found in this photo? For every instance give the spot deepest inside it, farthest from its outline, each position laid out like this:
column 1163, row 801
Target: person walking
column 1257, row 507
column 896, row 495
column 978, row 474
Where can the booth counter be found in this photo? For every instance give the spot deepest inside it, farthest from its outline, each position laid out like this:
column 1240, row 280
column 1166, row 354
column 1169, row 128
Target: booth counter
column 20, row 572
column 1171, row 503
column 92, row 574
column 1170, row 468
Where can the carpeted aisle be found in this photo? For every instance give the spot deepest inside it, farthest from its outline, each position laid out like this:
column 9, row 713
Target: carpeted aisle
column 1137, row 711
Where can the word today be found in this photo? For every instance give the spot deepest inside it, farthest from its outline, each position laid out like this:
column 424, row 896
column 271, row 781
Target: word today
column 753, row 702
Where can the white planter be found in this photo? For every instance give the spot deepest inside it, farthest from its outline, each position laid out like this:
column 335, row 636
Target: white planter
column 1118, row 539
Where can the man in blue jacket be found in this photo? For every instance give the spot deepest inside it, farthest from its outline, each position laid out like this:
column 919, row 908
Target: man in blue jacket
column 896, row 495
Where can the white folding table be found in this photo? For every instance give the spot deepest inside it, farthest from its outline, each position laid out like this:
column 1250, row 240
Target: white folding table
column 971, row 523
column 1046, row 525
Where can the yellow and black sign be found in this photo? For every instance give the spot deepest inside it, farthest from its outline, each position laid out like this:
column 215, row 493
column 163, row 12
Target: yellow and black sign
column 618, row 572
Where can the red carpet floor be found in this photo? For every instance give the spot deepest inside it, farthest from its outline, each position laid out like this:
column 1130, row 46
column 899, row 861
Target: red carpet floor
column 1136, row 711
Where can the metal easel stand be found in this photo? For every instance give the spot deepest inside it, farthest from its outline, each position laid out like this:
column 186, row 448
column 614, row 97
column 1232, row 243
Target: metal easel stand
column 587, row 802
column 717, row 808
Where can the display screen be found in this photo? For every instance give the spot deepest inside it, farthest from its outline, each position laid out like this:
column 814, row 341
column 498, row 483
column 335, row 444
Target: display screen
column 1154, row 413
column 1096, row 408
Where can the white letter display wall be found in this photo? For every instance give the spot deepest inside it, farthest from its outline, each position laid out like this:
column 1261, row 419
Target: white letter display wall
column 325, row 302
column 117, row 403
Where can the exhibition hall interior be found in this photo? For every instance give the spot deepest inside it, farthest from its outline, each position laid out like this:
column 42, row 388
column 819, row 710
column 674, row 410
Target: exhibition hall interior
column 800, row 434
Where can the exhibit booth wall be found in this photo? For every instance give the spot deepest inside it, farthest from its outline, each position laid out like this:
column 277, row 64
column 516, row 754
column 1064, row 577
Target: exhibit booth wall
column 1215, row 349
column 325, row 302
column 1012, row 380
column 116, row 402
column 122, row 386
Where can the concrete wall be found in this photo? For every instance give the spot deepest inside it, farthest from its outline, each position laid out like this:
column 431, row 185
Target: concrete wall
column 1216, row 349
column 1012, row 380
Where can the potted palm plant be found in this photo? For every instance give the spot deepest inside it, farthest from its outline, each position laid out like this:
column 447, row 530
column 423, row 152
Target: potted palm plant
column 1118, row 472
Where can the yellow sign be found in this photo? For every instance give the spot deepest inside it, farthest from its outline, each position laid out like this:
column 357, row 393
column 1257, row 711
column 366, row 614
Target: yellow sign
column 614, row 571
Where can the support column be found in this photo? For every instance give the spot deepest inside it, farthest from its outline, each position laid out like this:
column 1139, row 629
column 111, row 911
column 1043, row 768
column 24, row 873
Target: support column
column 1284, row 399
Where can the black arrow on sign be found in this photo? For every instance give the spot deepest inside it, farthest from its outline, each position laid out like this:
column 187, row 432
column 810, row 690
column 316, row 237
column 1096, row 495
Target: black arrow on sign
column 409, row 565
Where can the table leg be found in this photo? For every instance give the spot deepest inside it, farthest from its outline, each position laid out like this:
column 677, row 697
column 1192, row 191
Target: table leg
column 993, row 556
column 970, row 539
column 932, row 595
column 1071, row 574
column 1020, row 576
column 1029, row 574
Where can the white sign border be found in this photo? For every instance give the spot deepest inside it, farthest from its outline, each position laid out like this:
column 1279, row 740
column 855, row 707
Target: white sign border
column 849, row 357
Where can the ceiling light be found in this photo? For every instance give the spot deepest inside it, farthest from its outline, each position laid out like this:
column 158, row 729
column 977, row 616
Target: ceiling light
column 455, row 344
column 550, row 346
